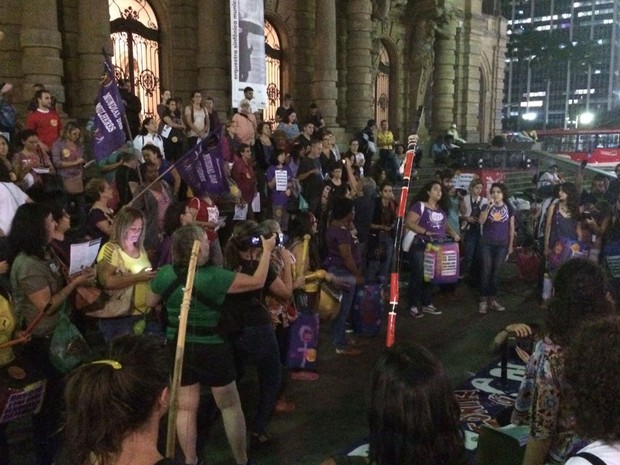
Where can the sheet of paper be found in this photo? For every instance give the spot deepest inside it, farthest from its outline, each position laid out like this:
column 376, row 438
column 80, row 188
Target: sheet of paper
column 241, row 212
column 83, row 255
column 256, row 203
column 165, row 132
column 281, row 180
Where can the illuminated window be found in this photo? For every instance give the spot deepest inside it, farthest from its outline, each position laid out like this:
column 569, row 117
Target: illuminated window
column 273, row 69
column 136, row 42
column 381, row 94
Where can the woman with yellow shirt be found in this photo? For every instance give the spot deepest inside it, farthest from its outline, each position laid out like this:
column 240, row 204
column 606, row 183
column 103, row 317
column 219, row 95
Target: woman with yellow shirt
column 121, row 263
column 387, row 158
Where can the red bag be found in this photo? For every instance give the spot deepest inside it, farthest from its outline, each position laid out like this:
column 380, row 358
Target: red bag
column 528, row 264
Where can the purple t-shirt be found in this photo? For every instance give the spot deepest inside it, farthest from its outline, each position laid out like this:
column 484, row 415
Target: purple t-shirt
column 334, row 236
column 434, row 221
column 496, row 229
column 278, row 198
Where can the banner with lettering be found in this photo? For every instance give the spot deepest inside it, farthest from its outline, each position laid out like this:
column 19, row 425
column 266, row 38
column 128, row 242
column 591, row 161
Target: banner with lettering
column 247, row 51
column 109, row 134
column 202, row 168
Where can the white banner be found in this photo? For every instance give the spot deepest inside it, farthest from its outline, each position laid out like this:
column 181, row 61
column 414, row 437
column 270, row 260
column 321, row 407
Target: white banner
column 247, row 51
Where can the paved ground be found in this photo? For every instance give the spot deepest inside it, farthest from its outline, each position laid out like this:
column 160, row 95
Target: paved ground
column 330, row 414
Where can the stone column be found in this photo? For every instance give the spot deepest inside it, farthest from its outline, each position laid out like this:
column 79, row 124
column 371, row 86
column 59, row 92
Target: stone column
column 359, row 64
column 94, row 36
column 324, row 88
column 443, row 78
column 212, row 63
column 40, row 42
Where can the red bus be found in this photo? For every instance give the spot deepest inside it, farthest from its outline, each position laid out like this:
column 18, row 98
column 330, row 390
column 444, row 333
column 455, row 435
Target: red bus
column 600, row 147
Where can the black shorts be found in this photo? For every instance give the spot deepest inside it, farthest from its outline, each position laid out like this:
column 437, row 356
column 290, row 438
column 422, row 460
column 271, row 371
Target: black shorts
column 208, row 364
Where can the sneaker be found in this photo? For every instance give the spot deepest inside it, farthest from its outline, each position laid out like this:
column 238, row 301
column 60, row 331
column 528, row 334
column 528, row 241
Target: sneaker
column 482, row 307
column 431, row 310
column 495, row 305
column 415, row 312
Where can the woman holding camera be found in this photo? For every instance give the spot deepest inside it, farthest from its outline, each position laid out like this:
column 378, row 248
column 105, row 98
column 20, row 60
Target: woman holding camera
column 249, row 321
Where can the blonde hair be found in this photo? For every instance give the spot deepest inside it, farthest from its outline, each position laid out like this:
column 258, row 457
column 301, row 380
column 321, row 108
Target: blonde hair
column 123, row 221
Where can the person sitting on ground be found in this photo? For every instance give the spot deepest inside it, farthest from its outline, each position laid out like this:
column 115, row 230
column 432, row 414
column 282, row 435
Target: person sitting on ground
column 580, row 296
column 413, row 415
column 128, row 393
column 592, row 368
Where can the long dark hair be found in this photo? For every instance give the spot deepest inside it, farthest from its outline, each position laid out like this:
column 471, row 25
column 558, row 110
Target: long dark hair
column 572, row 198
column 107, row 402
column 299, row 224
column 413, row 415
column 580, row 295
column 28, row 232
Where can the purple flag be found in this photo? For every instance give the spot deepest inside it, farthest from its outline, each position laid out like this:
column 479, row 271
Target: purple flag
column 109, row 133
column 202, row 168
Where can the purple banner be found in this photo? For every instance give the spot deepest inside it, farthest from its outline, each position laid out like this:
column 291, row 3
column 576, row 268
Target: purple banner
column 109, row 134
column 202, row 168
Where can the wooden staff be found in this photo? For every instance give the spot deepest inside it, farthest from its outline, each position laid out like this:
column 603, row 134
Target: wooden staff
column 180, row 352
column 404, row 193
column 305, row 252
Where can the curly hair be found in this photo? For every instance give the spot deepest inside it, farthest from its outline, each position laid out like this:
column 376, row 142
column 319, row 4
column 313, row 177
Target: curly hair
column 580, row 291
column 413, row 415
column 592, row 369
column 121, row 400
column 422, row 195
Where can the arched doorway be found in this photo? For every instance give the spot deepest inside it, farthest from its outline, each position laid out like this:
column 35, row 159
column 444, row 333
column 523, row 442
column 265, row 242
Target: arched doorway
column 137, row 53
column 273, row 72
column 381, row 93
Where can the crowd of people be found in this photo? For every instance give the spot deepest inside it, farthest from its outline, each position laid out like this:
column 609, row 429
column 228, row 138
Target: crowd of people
column 307, row 207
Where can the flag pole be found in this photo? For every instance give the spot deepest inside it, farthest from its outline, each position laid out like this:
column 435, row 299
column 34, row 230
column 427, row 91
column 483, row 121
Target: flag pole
column 180, row 351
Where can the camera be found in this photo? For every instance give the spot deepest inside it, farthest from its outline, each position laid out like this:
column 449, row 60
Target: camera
column 587, row 216
column 461, row 191
column 255, row 241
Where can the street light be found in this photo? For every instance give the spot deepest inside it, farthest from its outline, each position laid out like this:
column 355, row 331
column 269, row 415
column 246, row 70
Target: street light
column 529, row 116
column 586, row 118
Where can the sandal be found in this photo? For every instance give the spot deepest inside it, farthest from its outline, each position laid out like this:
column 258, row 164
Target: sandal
column 258, row 440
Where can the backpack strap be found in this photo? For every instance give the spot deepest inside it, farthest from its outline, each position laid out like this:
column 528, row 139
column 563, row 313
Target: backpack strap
column 593, row 459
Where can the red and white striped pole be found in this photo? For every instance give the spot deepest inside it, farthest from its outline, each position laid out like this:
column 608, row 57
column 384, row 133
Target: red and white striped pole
column 412, row 143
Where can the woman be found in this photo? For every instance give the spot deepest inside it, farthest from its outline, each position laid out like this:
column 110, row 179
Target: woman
column 341, row 179
column 38, row 287
column 498, row 230
column 289, row 126
column 196, row 119
column 177, row 215
column 154, row 200
column 343, row 261
column 580, row 296
column 152, row 154
column 68, row 159
column 381, row 242
column 562, row 221
column 173, row 131
column 471, row 206
column 593, row 371
column 255, row 336
column 148, row 136
column 100, row 216
column 243, row 173
column 5, row 157
column 204, row 340
column 32, row 162
column 246, row 123
column 279, row 178
column 11, row 197
column 123, row 262
column 264, row 147
column 230, row 141
column 128, row 393
column 429, row 220
column 413, row 415
column 205, row 212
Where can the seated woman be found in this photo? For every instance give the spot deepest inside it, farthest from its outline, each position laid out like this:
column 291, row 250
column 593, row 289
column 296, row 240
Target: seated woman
column 593, row 370
column 121, row 263
column 381, row 242
column 128, row 393
column 412, row 413
column 580, row 296
column 203, row 341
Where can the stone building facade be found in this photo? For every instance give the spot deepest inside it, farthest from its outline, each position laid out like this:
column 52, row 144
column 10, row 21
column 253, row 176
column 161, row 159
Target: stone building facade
column 446, row 58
